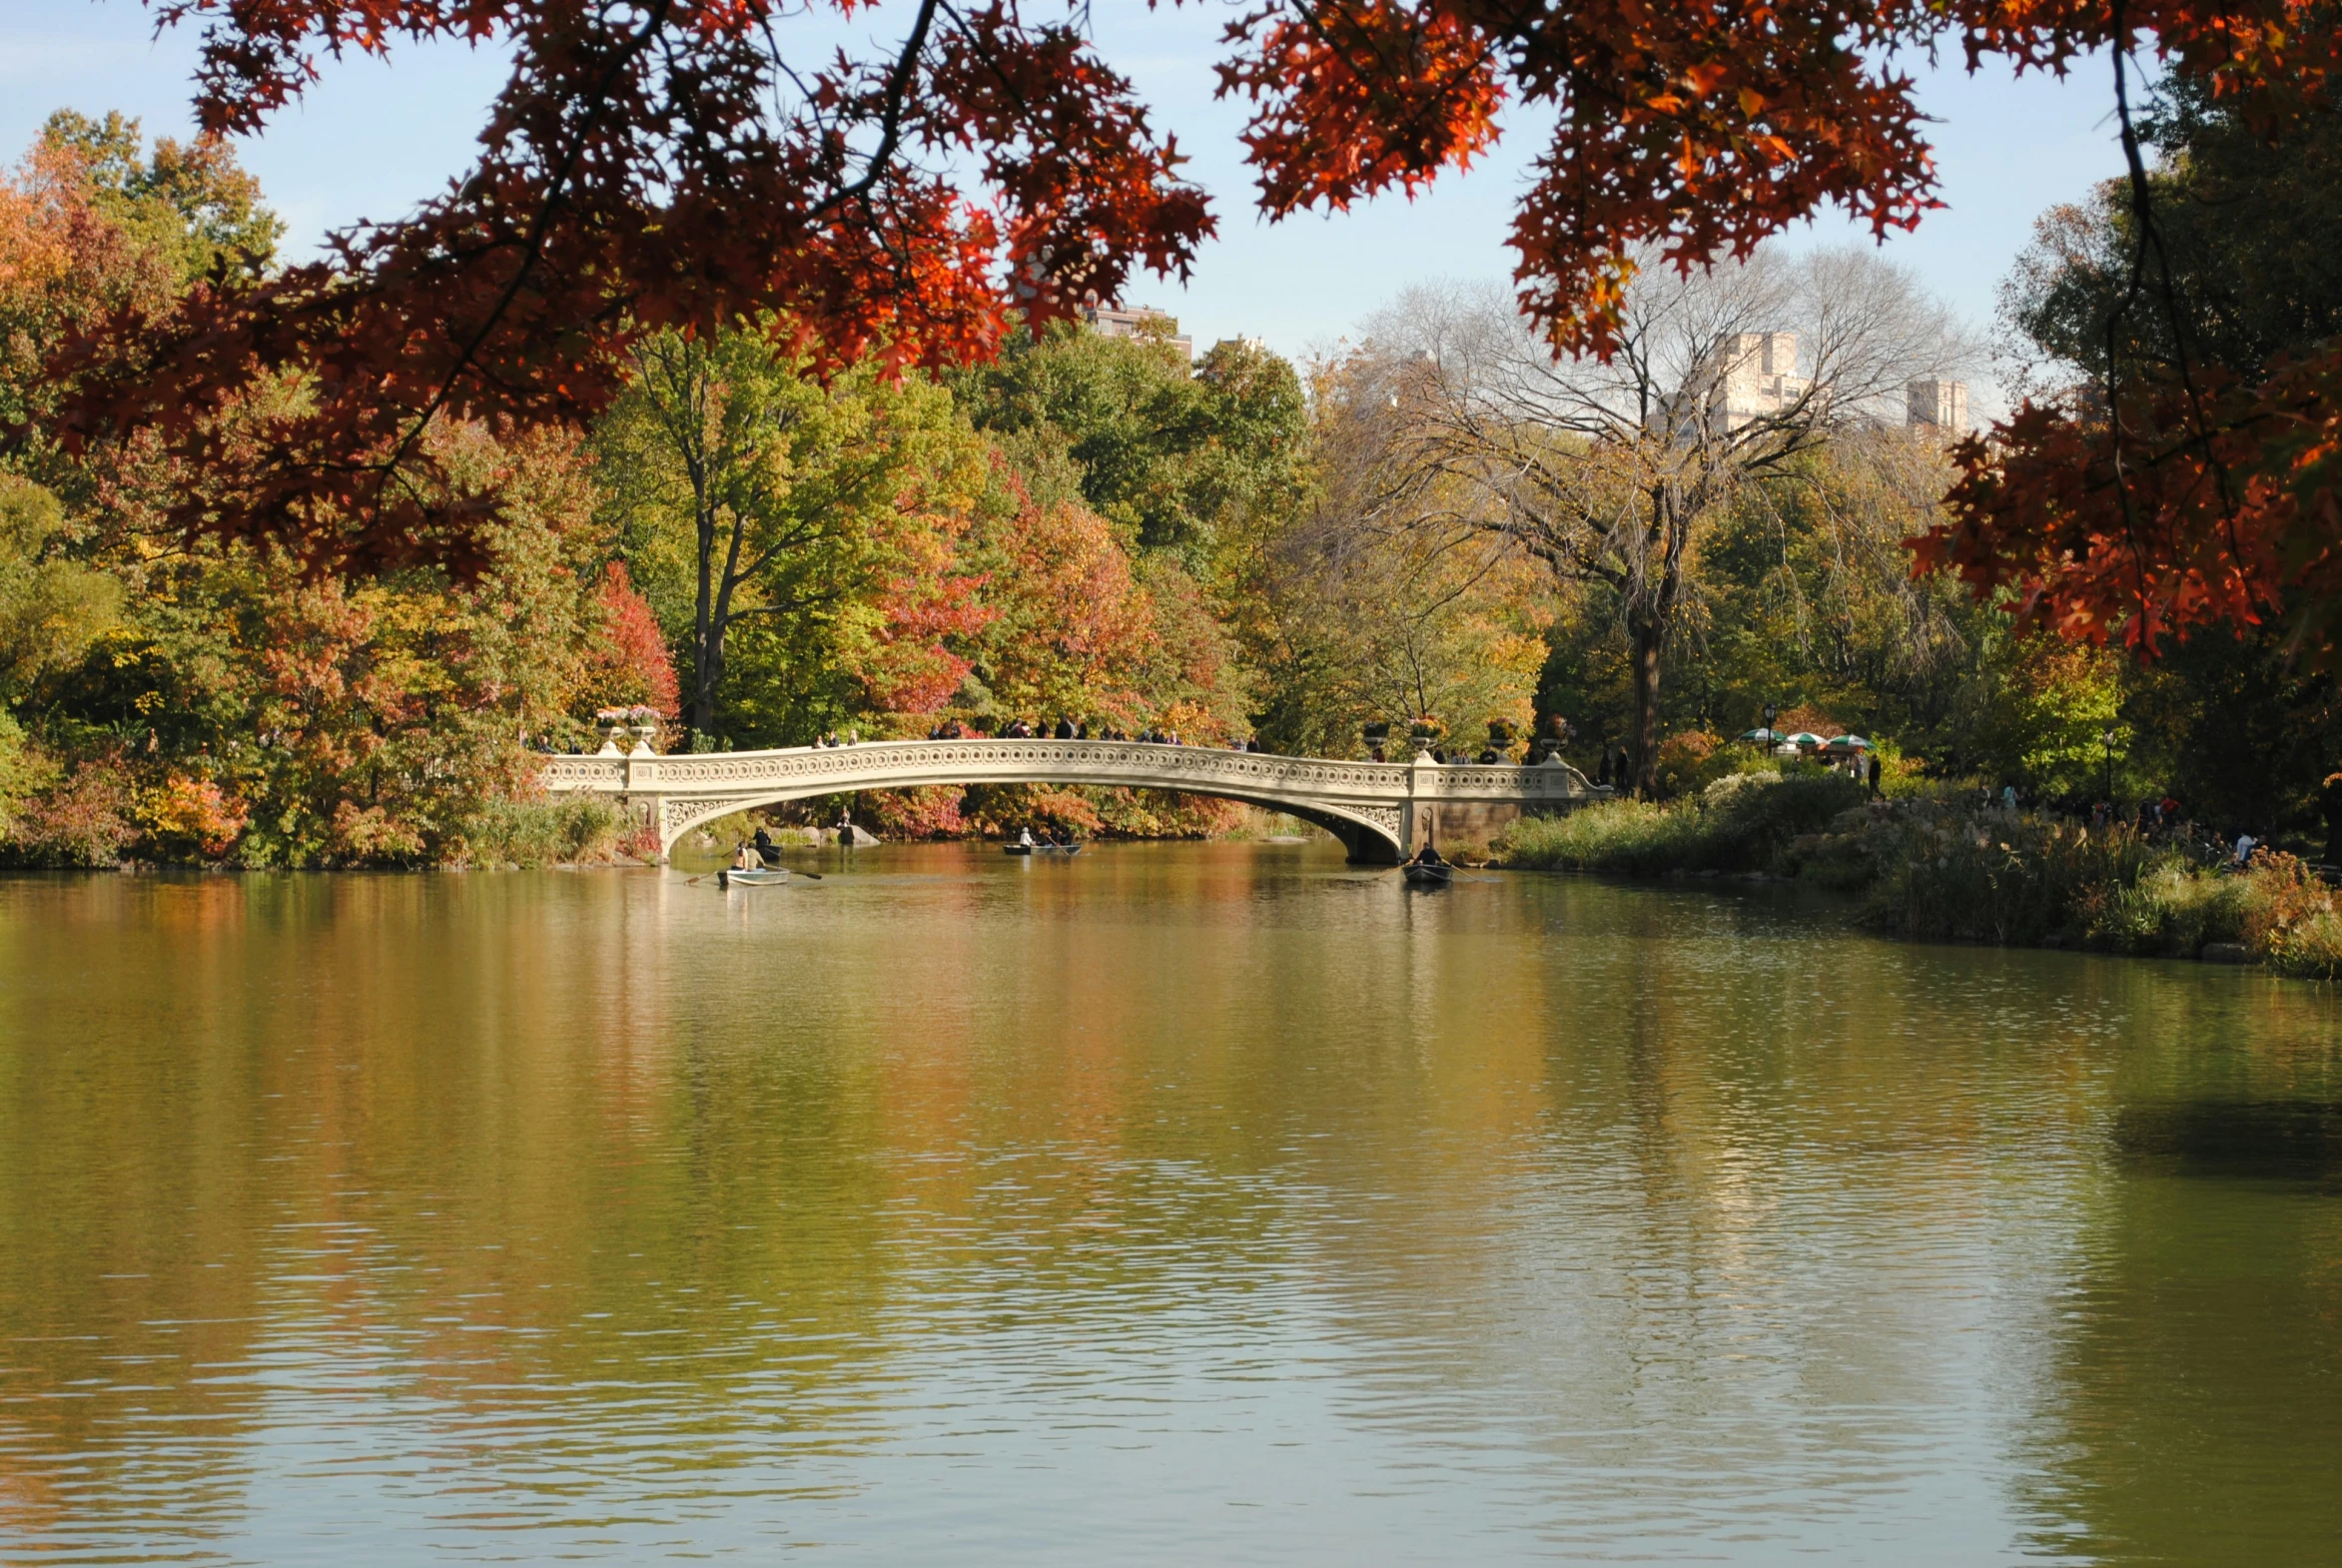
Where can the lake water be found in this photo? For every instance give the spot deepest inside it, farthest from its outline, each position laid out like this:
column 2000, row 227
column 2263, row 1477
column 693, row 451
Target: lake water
column 1175, row 1204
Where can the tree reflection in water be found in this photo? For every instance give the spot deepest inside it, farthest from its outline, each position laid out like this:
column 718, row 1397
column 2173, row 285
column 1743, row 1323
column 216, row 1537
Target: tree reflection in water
column 1196, row 1201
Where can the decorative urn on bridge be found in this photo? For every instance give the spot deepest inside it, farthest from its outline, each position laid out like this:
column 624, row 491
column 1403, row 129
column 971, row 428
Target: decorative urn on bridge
column 629, row 731
column 1560, row 732
column 613, row 723
column 644, row 722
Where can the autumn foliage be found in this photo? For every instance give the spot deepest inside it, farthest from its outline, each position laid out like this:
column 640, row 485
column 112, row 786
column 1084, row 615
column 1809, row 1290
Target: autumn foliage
column 695, row 163
column 696, row 174
column 629, row 663
column 646, row 166
column 2221, row 506
column 2178, row 466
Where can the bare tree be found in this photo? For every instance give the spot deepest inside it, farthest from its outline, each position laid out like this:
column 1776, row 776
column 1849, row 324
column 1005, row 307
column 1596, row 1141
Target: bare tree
column 1606, row 472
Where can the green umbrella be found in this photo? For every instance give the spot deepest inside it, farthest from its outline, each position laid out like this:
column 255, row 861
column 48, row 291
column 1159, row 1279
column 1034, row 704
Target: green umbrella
column 1804, row 737
column 1850, row 743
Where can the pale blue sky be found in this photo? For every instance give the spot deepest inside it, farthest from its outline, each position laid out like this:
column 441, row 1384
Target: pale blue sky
column 374, row 138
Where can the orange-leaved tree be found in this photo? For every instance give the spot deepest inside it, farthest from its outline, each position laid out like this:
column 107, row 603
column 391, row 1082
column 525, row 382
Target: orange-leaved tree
column 2178, row 464
column 660, row 164
column 690, row 163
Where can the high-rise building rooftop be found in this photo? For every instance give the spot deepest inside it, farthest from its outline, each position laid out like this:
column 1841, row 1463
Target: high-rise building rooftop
column 1112, row 321
column 1943, row 404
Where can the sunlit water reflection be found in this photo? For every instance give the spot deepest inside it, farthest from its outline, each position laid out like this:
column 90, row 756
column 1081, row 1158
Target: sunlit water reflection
column 1174, row 1204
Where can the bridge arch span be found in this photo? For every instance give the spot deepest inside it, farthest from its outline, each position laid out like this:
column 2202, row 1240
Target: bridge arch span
column 1377, row 809
column 1365, row 839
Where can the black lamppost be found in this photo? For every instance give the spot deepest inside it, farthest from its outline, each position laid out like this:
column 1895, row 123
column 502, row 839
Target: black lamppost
column 1770, row 711
column 2107, row 740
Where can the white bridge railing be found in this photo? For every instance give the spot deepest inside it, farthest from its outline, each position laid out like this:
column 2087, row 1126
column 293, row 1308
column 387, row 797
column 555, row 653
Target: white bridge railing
column 1378, row 809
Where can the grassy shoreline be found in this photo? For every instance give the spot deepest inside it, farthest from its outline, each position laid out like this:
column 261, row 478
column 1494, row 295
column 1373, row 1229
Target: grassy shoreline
column 1936, row 868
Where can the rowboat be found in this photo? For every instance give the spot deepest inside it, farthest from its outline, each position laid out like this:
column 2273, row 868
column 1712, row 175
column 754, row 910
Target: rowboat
column 1423, row 876
column 1017, row 849
column 769, row 876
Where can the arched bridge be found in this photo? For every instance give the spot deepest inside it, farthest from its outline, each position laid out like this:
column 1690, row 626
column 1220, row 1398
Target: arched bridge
column 1379, row 810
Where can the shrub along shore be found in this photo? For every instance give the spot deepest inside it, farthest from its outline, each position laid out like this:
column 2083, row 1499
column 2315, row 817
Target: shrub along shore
column 1936, row 867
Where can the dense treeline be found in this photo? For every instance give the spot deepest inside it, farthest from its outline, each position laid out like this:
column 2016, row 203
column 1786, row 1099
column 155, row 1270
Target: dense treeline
column 764, row 556
column 1431, row 524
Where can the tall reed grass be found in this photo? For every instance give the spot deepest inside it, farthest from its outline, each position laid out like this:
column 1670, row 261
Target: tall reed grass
column 1742, row 822
column 541, row 833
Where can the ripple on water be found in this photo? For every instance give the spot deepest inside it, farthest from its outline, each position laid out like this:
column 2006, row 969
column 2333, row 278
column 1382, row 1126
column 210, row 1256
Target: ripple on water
column 1178, row 1203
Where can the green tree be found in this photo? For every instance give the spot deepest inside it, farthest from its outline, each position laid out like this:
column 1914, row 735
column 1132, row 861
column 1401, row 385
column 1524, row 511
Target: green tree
column 187, row 202
column 2043, row 719
column 1197, row 460
column 2245, row 264
column 1805, row 597
column 51, row 607
column 747, row 497
column 241, row 709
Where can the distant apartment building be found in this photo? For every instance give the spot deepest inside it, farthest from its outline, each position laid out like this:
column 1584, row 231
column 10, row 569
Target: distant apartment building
column 1941, row 404
column 1144, row 321
column 1755, row 379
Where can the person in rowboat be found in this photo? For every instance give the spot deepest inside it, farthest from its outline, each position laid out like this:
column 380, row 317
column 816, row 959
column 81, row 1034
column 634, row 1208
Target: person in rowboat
column 1025, row 837
column 1428, row 855
column 744, row 858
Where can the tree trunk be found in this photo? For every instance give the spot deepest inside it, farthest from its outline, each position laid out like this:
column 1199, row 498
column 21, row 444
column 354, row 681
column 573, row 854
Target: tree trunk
column 715, row 620
column 706, row 637
column 1648, row 636
column 711, row 682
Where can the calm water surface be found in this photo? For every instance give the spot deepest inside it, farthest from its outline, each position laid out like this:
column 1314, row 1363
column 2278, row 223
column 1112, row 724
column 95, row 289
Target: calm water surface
column 1177, row 1205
